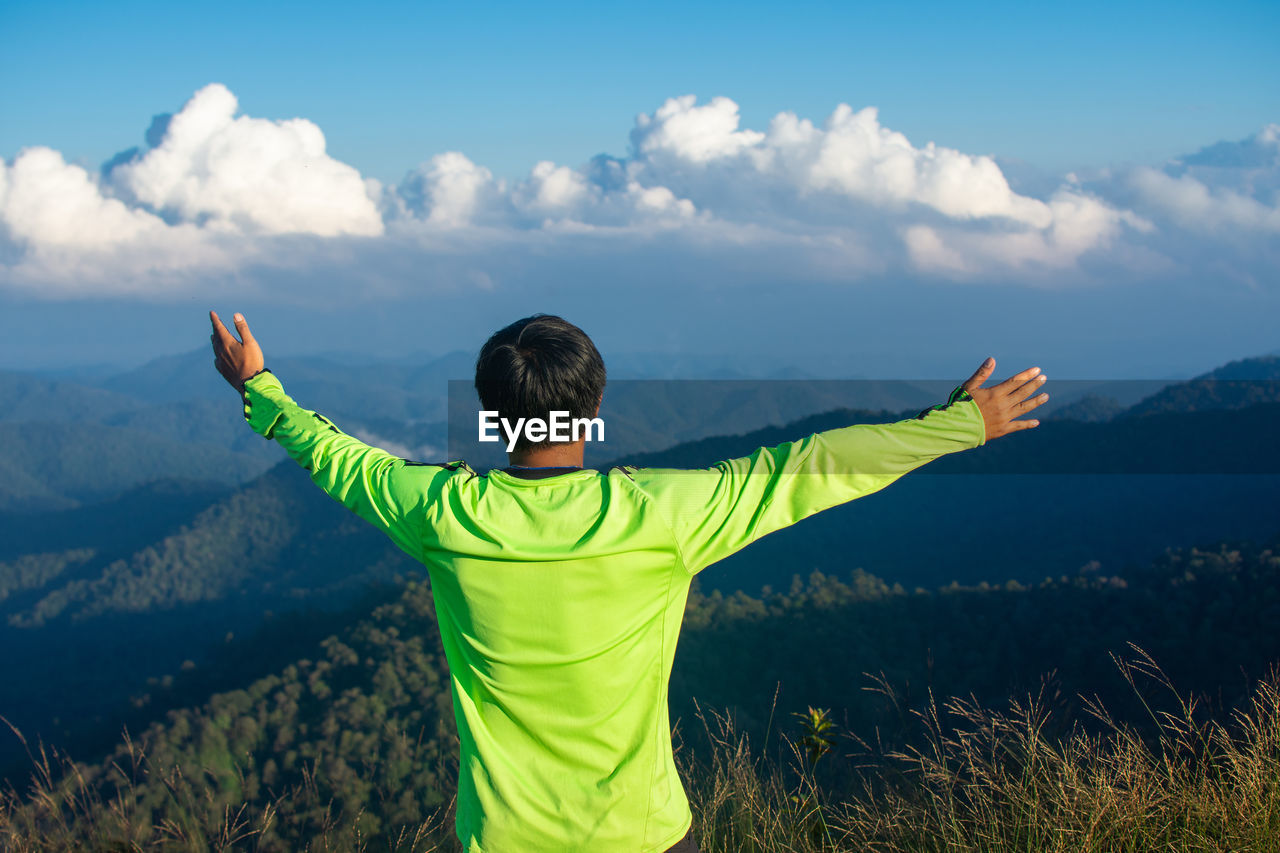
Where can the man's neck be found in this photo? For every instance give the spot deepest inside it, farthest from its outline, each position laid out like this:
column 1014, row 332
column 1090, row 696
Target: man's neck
column 549, row 456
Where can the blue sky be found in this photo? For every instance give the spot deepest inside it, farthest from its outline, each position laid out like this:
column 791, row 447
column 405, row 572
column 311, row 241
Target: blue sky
column 1087, row 113
column 1091, row 85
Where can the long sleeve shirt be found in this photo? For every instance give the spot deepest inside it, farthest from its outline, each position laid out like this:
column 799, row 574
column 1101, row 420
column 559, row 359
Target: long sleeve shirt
column 559, row 602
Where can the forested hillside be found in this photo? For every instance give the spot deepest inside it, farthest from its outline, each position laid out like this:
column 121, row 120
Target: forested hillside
column 356, row 736
column 88, row 628
column 149, row 559
column 1234, row 385
column 103, row 602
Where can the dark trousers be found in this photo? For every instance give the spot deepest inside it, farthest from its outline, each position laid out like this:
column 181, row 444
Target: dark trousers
column 684, row 845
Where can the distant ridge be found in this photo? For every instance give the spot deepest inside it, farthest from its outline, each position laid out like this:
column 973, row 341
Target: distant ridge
column 1234, row 385
column 30, row 397
column 53, row 466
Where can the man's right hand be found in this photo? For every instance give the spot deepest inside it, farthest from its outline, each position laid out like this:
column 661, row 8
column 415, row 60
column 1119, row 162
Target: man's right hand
column 1001, row 404
column 236, row 360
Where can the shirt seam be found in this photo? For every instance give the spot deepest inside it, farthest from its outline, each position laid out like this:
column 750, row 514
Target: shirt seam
column 556, row 480
column 662, row 659
column 662, row 648
column 675, row 540
column 423, row 512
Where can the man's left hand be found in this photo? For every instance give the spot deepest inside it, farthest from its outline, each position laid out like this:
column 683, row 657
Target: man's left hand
column 235, row 360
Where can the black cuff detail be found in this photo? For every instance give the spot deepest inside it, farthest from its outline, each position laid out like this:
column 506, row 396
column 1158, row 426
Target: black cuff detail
column 958, row 395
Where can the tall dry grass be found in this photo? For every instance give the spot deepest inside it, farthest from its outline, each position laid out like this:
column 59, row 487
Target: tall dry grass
column 984, row 780
column 974, row 779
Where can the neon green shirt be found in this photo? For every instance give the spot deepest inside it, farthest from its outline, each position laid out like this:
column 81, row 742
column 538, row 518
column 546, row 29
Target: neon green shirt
column 559, row 602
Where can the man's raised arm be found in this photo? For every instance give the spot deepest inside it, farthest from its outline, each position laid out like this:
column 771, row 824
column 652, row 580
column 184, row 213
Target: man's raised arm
column 714, row 512
column 389, row 492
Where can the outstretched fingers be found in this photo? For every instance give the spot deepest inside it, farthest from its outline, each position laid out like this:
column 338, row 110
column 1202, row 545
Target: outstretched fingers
column 236, row 360
column 1013, row 384
column 982, row 374
column 1003, row 404
column 1029, row 402
column 242, row 326
column 220, row 332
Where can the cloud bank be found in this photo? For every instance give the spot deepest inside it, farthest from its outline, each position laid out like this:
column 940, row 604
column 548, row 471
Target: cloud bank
column 245, row 175
column 216, row 193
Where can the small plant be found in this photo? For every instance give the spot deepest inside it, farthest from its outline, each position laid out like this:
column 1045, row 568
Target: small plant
column 817, row 737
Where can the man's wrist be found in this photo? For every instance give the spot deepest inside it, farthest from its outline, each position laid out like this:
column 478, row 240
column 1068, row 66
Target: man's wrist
column 262, row 396
column 245, row 381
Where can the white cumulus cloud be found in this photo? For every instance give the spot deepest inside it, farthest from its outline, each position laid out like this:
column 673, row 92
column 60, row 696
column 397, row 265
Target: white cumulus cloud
column 553, row 189
column 449, row 190
column 200, row 197
column 1216, row 210
column 1196, row 204
column 247, row 174
column 693, row 164
column 844, row 197
column 66, row 233
column 690, row 132
column 1227, row 186
column 1078, row 223
column 699, row 151
column 48, row 203
column 856, row 156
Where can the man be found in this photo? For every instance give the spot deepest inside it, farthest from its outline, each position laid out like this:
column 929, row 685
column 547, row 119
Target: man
column 560, row 590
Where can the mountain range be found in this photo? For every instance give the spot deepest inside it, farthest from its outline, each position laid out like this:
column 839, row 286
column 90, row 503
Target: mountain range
column 146, row 532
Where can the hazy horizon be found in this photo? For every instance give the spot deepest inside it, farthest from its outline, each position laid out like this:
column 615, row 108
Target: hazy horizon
column 1100, row 205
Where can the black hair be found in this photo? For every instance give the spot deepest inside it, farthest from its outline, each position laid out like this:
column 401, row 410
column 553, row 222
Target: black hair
column 538, row 365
